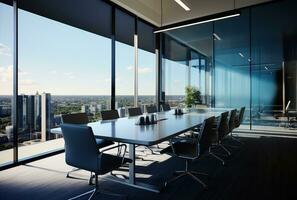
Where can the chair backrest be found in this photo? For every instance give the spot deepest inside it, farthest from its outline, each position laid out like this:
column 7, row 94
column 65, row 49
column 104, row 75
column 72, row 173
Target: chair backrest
column 151, row 109
column 134, row 111
column 80, row 147
column 75, row 118
column 223, row 125
column 232, row 120
column 166, row 107
column 241, row 114
column 109, row 114
column 288, row 105
column 206, row 134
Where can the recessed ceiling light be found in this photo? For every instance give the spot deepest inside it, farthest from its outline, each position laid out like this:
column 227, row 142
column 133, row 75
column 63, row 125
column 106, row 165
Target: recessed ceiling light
column 169, row 28
column 217, row 36
column 183, row 5
column 241, row 55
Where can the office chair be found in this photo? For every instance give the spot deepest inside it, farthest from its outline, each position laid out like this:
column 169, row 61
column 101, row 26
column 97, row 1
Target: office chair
column 233, row 124
column 109, row 114
column 221, row 129
column 191, row 149
column 151, row 109
column 132, row 112
column 165, row 107
column 81, row 152
column 239, row 118
column 82, row 118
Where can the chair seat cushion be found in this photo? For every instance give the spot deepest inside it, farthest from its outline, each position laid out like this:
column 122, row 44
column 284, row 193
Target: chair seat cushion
column 182, row 149
column 110, row 162
column 103, row 143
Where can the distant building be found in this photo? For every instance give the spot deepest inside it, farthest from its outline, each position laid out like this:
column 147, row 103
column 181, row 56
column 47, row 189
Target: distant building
column 46, row 116
column 85, row 109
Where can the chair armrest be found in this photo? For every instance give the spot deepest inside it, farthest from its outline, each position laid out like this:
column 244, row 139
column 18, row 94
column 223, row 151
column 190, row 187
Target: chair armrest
column 118, row 146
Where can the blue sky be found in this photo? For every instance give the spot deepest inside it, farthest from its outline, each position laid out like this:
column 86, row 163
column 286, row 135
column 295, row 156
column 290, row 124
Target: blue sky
column 64, row 60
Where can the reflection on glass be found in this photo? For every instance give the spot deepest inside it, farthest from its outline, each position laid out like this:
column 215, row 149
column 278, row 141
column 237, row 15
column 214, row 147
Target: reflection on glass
column 232, row 70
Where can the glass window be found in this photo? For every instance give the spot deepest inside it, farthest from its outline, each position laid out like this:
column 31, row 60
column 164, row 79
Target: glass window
column 124, row 77
column 146, row 78
column 62, row 70
column 6, row 80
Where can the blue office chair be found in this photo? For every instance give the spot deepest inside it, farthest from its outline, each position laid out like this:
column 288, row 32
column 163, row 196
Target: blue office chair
column 132, row 112
column 165, row 107
column 82, row 119
column 109, row 114
column 234, row 122
column 191, row 149
column 151, row 109
column 221, row 129
column 81, row 152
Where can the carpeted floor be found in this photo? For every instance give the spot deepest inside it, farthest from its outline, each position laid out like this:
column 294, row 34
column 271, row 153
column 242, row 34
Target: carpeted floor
column 262, row 168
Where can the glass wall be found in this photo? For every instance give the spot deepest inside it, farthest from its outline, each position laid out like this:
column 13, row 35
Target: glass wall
column 274, row 36
column 232, row 67
column 62, row 70
column 186, row 62
column 6, row 88
column 254, row 65
column 146, row 78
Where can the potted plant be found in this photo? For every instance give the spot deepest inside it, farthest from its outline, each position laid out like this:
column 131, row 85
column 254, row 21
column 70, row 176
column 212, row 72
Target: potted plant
column 193, row 96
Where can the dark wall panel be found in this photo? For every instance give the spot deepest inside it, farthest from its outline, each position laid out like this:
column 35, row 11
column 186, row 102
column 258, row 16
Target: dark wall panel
column 90, row 15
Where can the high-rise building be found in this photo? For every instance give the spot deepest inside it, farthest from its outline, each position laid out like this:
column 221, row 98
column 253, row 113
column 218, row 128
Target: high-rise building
column 37, row 109
column 46, row 116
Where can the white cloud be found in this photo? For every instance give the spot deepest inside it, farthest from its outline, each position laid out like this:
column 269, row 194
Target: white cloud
column 53, row 72
column 130, row 68
column 141, row 70
column 4, row 50
column 27, row 82
column 144, row 70
column 6, row 74
column 70, row 75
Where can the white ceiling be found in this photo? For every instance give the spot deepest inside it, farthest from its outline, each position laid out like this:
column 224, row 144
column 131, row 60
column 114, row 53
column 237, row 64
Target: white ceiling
column 150, row 10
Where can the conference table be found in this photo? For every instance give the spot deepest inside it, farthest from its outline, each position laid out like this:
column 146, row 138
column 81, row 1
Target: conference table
column 125, row 130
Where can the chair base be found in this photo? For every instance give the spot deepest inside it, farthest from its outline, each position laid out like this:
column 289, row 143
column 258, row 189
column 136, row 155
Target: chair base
column 189, row 173
column 77, row 169
column 96, row 191
column 235, row 139
column 217, row 157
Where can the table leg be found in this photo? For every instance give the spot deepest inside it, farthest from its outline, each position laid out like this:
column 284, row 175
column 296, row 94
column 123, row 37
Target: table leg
column 132, row 164
column 132, row 182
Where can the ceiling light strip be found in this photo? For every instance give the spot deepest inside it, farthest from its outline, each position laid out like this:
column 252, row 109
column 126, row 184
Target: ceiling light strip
column 183, row 5
column 196, row 23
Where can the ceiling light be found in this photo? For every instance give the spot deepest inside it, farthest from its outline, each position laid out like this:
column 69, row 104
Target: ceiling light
column 241, row 55
column 172, row 27
column 183, row 5
column 216, row 36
